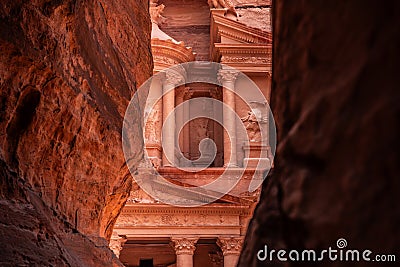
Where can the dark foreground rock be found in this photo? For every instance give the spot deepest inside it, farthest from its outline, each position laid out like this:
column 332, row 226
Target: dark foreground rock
column 336, row 103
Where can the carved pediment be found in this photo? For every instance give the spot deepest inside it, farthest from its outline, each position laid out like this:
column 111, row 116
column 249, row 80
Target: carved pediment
column 234, row 43
column 225, row 30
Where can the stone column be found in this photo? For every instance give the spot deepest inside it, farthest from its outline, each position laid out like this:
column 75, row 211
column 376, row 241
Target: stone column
column 116, row 243
column 186, row 132
column 153, row 126
column 179, row 120
column 228, row 77
column 158, row 89
column 184, row 250
column 216, row 93
column 168, row 134
column 231, row 247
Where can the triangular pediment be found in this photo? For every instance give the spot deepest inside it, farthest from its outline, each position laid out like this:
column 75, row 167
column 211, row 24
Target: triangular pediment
column 226, row 30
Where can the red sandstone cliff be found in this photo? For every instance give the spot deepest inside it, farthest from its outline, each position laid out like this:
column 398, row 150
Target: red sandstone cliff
column 336, row 104
column 67, row 72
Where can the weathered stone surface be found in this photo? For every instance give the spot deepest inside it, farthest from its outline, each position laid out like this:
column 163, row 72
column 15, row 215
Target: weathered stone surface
column 335, row 100
column 256, row 17
column 188, row 21
column 67, row 72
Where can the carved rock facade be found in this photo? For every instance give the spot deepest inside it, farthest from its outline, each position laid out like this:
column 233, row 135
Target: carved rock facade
column 209, row 235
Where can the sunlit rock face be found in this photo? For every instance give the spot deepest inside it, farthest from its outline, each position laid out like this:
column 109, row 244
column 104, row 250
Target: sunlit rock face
column 335, row 101
column 67, row 72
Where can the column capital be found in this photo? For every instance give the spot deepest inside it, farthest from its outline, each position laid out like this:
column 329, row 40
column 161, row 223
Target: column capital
column 158, row 76
column 184, row 245
column 230, row 245
column 174, row 76
column 116, row 243
column 227, row 75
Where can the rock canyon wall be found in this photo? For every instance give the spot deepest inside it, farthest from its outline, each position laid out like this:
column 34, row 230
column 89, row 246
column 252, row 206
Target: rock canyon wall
column 67, row 72
column 335, row 100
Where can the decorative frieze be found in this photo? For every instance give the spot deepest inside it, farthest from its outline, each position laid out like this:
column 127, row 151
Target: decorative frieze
column 243, row 59
column 165, row 59
column 177, row 220
column 162, row 208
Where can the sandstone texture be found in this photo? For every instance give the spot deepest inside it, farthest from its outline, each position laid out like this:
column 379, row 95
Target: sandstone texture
column 335, row 98
column 256, row 14
column 188, row 21
column 67, row 72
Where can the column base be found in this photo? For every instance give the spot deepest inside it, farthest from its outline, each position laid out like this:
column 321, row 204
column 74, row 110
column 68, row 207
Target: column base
column 256, row 162
column 257, row 155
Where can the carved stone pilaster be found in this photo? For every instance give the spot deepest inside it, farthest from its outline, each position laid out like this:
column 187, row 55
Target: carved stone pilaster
column 228, row 77
column 116, row 243
column 184, row 245
column 230, row 245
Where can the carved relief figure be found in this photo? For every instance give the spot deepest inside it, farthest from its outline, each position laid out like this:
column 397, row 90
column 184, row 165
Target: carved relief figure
column 156, row 11
column 251, row 124
column 151, row 127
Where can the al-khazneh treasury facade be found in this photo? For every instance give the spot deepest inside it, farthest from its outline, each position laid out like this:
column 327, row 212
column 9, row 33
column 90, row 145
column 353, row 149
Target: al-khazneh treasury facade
column 236, row 33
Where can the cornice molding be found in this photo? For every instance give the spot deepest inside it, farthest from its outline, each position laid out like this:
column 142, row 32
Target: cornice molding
column 153, row 208
column 245, row 57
